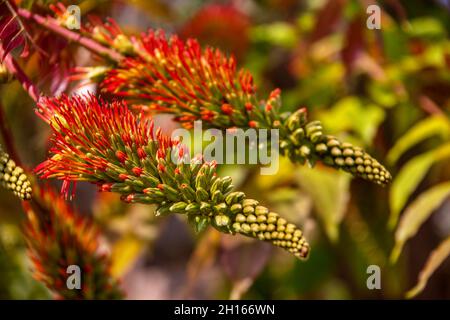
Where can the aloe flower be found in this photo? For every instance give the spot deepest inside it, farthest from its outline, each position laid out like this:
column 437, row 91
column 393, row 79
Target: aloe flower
column 179, row 77
column 108, row 145
column 13, row 178
column 57, row 238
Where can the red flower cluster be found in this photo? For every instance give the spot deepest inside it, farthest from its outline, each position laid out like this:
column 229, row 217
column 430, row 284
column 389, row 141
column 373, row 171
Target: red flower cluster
column 179, row 77
column 94, row 140
column 57, row 238
column 108, row 145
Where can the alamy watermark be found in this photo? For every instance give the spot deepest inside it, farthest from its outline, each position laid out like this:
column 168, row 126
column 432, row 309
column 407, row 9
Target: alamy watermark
column 232, row 146
column 374, row 19
column 73, row 19
column 374, row 280
column 74, row 279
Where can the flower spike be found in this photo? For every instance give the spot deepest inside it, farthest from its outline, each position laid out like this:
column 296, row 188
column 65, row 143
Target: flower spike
column 13, row 178
column 173, row 76
column 108, row 145
column 58, row 238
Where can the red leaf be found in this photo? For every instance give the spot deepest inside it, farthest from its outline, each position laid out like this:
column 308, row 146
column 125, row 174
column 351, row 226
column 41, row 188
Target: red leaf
column 12, row 33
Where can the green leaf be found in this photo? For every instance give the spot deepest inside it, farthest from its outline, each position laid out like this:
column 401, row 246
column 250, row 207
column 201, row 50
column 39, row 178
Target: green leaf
column 329, row 191
column 395, row 43
column 435, row 259
column 426, row 27
column 416, row 214
column 383, row 93
column 277, row 33
column 435, row 125
column 409, row 178
column 349, row 114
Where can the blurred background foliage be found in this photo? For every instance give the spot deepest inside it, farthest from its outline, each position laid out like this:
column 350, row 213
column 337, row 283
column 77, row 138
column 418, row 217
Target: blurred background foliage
column 387, row 90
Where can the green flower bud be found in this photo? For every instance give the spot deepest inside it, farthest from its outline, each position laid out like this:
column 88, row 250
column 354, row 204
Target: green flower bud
column 178, row 206
column 12, row 177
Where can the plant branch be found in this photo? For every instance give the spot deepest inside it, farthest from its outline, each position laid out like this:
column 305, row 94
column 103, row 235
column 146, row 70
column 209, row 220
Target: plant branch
column 52, row 24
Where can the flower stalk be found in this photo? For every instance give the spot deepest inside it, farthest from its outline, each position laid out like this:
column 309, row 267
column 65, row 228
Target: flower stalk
column 108, row 145
column 177, row 77
column 56, row 27
column 169, row 75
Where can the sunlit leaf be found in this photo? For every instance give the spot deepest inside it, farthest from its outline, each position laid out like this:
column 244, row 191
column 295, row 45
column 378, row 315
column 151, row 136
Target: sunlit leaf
column 278, row 33
column 426, row 27
column 409, row 178
column 329, row 191
column 435, row 259
column 124, row 253
column 285, row 169
column 383, row 93
column 435, row 56
column 435, row 125
column 416, row 214
column 394, row 43
column 349, row 114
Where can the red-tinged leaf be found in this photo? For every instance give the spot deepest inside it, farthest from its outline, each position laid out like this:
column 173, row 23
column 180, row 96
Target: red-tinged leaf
column 25, row 50
column 328, row 18
column 354, row 43
column 12, row 31
column 13, row 41
column 436, row 258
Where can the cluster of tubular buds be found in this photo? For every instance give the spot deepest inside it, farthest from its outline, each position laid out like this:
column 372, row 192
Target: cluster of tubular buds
column 107, row 33
column 58, row 238
column 177, row 77
column 248, row 217
column 108, row 145
column 209, row 200
column 304, row 141
column 13, row 178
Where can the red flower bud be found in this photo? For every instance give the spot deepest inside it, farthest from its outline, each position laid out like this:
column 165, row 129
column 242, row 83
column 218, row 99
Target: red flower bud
column 106, row 187
column 137, row 171
column 253, row 124
column 141, row 153
column 121, row 156
column 227, row 109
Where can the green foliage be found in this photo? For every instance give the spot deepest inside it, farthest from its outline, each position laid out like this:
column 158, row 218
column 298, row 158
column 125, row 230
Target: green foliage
column 431, row 126
column 278, row 34
column 351, row 114
column 329, row 192
column 409, row 177
column 417, row 213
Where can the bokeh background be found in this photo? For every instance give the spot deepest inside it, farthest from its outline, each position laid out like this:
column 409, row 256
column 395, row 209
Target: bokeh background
column 387, row 90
